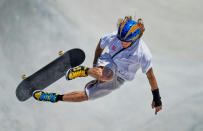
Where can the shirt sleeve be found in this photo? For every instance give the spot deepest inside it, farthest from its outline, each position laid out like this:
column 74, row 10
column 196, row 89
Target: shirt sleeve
column 106, row 40
column 146, row 60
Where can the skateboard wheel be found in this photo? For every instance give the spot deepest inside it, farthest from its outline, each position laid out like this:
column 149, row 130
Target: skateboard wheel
column 24, row 76
column 61, row 53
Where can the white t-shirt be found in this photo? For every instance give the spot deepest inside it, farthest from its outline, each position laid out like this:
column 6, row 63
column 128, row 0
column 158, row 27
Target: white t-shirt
column 129, row 60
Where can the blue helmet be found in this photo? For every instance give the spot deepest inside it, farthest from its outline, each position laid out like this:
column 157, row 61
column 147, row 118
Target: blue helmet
column 128, row 31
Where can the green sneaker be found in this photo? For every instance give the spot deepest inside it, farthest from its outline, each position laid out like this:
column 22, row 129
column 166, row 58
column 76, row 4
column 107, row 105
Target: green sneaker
column 44, row 96
column 80, row 71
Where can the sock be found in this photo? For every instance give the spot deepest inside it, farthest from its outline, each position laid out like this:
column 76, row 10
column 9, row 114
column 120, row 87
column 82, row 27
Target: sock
column 86, row 71
column 59, row 98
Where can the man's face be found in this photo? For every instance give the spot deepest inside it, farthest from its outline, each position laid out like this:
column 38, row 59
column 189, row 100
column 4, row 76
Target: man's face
column 126, row 44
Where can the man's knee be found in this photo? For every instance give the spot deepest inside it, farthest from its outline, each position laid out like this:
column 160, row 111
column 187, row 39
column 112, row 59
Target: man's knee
column 101, row 73
column 107, row 74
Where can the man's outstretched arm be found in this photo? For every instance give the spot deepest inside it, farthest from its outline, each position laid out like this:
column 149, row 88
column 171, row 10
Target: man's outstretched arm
column 156, row 103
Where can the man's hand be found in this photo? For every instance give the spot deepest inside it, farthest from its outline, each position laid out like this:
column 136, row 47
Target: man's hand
column 156, row 103
column 157, row 109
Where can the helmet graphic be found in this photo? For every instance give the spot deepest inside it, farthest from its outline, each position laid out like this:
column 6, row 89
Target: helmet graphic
column 128, row 31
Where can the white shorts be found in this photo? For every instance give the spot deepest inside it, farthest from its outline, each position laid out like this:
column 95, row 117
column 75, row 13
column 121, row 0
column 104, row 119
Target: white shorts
column 96, row 89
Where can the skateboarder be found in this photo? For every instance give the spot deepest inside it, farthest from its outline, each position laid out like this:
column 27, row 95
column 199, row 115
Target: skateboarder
column 127, row 53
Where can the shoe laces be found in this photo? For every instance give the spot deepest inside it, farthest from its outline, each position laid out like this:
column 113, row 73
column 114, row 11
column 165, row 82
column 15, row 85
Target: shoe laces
column 77, row 73
column 48, row 97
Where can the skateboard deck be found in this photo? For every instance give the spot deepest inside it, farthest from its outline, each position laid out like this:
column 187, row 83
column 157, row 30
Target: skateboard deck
column 49, row 73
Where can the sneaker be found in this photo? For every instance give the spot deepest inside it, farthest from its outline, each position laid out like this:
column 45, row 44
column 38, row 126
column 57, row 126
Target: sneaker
column 44, row 96
column 80, row 71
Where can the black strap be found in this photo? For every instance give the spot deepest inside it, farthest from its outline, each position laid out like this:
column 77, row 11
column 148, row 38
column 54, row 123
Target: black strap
column 117, row 52
column 121, row 50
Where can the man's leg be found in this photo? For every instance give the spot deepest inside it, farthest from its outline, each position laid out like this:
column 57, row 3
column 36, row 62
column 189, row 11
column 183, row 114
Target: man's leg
column 96, row 72
column 77, row 96
column 100, row 73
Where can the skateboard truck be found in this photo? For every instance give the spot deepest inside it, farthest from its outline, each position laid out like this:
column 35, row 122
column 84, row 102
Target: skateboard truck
column 24, row 76
column 61, row 53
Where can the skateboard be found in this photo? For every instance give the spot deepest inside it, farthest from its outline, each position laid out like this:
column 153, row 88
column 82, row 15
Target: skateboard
column 49, row 73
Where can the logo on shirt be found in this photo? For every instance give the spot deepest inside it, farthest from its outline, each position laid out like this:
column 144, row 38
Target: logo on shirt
column 113, row 48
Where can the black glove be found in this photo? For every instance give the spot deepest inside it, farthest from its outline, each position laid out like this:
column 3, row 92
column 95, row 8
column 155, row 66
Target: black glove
column 156, row 97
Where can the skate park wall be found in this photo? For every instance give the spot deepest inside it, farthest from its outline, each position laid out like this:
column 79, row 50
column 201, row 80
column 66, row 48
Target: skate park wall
column 32, row 32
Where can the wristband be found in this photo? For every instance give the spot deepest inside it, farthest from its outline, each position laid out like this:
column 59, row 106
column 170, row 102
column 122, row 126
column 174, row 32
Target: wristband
column 156, row 97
